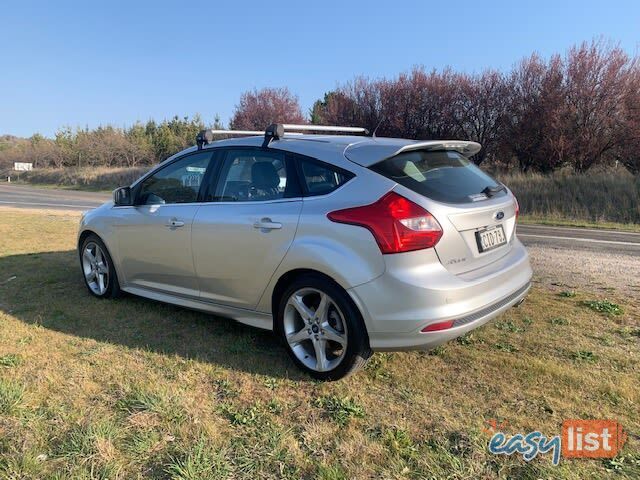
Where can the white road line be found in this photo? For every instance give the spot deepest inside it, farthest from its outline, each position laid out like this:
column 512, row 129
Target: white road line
column 577, row 229
column 49, row 204
column 590, row 240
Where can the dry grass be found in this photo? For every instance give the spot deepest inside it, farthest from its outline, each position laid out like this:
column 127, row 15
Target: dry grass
column 598, row 196
column 134, row 389
column 87, row 178
column 563, row 222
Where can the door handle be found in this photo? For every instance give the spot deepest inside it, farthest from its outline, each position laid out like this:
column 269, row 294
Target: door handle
column 267, row 224
column 174, row 223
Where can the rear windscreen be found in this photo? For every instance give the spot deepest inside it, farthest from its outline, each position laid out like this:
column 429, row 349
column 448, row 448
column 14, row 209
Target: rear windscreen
column 444, row 176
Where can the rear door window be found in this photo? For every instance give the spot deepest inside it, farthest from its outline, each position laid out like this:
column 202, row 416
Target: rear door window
column 255, row 175
column 445, row 176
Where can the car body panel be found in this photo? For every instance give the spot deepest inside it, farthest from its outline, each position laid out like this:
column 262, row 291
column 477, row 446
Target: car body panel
column 234, row 258
column 153, row 254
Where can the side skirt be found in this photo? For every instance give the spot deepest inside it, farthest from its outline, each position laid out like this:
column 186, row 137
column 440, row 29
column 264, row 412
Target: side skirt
column 248, row 317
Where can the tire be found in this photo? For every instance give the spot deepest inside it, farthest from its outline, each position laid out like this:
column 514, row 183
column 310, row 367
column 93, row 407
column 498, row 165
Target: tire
column 337, row 331
column 97, row 268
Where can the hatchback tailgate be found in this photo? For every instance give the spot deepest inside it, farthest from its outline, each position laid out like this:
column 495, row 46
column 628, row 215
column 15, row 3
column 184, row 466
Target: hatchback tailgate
column 459, row 249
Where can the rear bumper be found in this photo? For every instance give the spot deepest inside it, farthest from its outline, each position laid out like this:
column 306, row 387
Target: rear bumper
column 413, row 294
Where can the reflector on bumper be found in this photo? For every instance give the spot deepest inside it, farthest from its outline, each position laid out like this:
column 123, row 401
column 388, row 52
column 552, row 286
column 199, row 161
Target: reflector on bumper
column 438, row 326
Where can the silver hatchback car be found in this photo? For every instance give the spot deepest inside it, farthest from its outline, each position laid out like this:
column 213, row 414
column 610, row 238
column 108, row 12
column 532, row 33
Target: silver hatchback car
column 341, row 244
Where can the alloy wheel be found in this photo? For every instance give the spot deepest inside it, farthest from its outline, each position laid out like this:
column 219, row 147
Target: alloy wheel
column 95, row 268
column 315, row 329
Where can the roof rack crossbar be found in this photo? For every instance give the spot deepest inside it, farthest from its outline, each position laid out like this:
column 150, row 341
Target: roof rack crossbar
column 278, row 130
column 324, row 128
column 275, row 131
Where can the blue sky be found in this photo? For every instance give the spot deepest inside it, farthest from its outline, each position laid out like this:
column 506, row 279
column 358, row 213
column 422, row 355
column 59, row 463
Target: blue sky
column 91, row 63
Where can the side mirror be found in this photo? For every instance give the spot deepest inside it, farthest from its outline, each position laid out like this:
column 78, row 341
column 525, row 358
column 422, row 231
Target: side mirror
column 122, row 197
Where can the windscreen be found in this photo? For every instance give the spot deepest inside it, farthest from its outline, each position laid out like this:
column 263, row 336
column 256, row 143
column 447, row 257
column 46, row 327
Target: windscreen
column 442, row 175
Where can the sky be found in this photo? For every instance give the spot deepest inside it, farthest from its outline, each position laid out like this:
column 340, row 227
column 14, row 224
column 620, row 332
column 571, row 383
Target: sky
column 85, row 64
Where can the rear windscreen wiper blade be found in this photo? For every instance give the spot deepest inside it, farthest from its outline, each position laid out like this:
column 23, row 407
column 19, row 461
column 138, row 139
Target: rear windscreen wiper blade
column 491, row 191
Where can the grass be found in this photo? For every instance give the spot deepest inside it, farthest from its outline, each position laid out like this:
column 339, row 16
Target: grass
column 340, row 410
column 593, row 198
column 557, row 221
column 131, row 388
column 603, row 306
column 83, row 178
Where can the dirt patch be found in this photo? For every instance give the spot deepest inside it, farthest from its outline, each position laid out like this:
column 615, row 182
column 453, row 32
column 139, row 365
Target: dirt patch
column 563, row 269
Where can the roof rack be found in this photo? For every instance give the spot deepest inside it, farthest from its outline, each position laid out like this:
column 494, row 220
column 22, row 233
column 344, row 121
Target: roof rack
column 276, row 131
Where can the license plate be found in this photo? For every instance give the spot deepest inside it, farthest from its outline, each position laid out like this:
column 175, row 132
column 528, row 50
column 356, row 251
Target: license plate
column 490, row 238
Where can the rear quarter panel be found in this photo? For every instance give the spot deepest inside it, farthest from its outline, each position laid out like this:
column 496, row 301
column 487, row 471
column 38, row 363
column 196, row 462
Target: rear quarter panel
column 348, row 254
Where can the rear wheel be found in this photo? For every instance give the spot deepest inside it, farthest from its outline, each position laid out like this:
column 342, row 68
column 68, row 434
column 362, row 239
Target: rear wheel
column 322, row 329
column 97, row 268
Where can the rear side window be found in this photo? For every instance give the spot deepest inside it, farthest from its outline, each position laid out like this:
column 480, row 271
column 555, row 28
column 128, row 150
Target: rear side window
column 321, row 178
column 445, row 176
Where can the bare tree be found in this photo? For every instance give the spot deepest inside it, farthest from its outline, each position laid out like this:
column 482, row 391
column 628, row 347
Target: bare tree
column 597, row 82
column 260, row 108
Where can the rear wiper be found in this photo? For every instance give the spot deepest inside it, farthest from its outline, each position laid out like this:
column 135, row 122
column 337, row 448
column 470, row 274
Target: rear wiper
column 491, row 191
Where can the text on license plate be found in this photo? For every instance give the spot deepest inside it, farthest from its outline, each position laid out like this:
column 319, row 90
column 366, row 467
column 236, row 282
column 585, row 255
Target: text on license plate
column 490, row 238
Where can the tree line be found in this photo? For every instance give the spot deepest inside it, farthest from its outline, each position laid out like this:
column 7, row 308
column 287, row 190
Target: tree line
column 108, row 146
column 577, row 110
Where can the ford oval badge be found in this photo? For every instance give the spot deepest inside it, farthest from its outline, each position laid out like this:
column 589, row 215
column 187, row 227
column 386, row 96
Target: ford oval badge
column 499, row 215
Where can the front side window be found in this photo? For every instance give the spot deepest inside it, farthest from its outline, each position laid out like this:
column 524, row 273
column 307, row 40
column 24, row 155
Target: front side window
column 250, row 175
column 178, row 182
column 321, row 178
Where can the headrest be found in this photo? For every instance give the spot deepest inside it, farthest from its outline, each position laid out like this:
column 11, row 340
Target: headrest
column 264, row 175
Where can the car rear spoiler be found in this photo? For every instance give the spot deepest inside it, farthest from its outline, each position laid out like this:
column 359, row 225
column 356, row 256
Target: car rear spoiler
column 369, row 153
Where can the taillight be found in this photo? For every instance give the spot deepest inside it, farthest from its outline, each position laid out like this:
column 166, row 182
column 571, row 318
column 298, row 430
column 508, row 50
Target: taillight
column 517, row 206
column 397, row 224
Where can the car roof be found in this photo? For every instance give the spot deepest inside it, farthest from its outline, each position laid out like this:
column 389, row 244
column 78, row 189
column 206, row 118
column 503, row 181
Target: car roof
column 365, row 151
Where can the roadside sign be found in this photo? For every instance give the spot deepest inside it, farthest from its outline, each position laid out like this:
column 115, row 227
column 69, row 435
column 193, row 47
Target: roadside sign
column 22, row 166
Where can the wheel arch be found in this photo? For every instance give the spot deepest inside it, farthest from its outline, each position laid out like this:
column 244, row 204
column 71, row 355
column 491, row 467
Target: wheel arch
column 285, row 280
column 288, row 277
column 83, row 236
column 87, row 232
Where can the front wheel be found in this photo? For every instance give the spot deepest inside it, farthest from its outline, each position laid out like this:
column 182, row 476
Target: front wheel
column 323, row 330
column 97, row 268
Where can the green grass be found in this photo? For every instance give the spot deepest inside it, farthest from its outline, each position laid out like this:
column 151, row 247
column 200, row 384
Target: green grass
column 10, row 360
column 11, row 394
column 584, row 356
column 340, row 410
column 603, row 306
column 200, row 461
column 567, row 294
column 130, row 388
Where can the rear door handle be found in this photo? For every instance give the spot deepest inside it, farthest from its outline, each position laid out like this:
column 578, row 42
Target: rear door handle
column 175, row 223
column 267, row 224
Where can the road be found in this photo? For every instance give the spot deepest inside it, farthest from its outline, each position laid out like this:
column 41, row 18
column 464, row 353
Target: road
column 610, row 241
column 21, row 196
column 605, row 241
